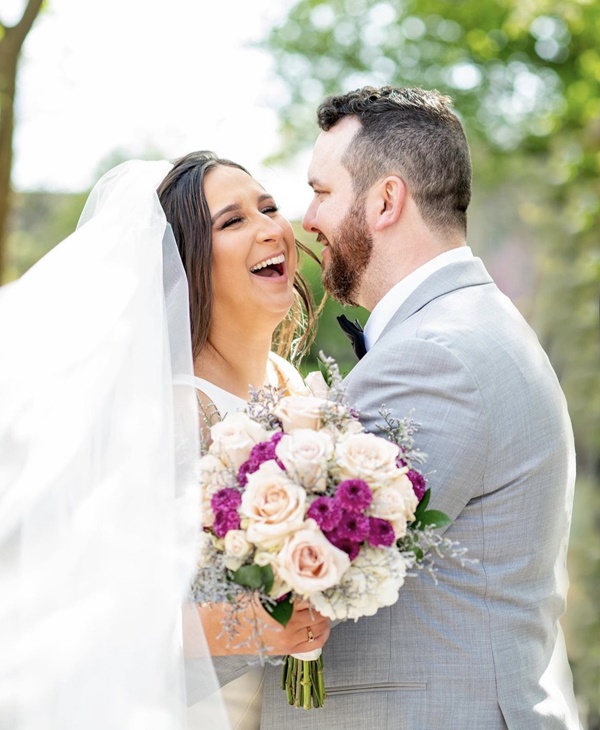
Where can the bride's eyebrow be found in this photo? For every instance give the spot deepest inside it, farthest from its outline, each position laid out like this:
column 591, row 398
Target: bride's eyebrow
column 226, row 209
column 236, row 206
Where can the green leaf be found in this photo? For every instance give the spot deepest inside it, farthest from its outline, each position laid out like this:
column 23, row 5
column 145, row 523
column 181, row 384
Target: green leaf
column 249, row 576
column 434, row 517
column 418, row 553
column 267, row 578
column 281, row 612
column 422, row 506
column 255, row 576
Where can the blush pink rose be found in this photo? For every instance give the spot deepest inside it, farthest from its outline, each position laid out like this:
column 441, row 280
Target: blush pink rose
column 309, row 563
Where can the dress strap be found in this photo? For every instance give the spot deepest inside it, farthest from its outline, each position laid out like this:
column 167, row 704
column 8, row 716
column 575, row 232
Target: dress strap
column 224, row 401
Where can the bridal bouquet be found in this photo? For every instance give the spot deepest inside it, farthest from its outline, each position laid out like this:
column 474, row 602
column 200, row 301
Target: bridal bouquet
column 299, row 501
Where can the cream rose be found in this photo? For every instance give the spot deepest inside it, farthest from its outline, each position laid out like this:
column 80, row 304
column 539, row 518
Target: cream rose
column 237, row 548
column 372, row 581
column 272, row 505
column 234, row 437
column 366, row 456
column 305, row 455
column 394, row 504
column 309, row 563
column 297, row 412
column 315, row 382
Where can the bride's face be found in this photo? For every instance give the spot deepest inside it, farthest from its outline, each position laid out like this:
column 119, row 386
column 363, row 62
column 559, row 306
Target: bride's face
column 253, row 251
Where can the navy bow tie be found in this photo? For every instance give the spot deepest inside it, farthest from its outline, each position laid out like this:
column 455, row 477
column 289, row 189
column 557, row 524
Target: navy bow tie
column 354, row 332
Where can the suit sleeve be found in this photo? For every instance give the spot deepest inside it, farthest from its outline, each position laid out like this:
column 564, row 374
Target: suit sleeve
column 227, row 669
column 427, row 380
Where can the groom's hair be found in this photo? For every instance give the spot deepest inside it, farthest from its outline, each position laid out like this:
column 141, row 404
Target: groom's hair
column 411, row 133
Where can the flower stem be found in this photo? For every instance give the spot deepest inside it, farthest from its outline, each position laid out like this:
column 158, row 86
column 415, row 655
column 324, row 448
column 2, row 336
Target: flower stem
column 303, row 683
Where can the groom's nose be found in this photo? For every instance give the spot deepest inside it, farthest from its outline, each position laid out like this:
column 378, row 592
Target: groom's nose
column 308, row 222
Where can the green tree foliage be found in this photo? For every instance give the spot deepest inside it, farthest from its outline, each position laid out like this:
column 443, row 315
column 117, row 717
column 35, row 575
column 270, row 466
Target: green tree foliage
column 525, row 78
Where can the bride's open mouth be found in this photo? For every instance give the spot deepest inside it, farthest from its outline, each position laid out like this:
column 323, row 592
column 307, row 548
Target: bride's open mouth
column 272, row 268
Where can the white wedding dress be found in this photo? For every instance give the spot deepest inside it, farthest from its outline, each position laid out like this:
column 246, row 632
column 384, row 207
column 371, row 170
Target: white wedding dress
column 243, row 696
column 98, row 475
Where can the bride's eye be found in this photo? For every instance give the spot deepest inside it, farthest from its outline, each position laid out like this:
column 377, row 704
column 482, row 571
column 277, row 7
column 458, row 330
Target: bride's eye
column 270, row 209
column 230, row 222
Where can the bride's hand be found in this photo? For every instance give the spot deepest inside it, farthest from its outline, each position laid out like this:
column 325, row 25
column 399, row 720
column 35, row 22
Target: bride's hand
column 258, row 632
column 305, row 631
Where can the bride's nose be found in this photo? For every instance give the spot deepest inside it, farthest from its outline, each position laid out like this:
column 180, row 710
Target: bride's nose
column 269, row 231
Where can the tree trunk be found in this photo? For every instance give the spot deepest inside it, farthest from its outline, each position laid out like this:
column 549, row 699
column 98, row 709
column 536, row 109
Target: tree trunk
column 11, row 43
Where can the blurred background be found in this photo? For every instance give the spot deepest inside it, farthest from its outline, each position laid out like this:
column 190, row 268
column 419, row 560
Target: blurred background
column 84, row 86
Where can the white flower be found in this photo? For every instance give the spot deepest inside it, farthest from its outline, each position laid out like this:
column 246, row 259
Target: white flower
column 213, row 476
column 237, row 548
column 366, row 456
column 308, row 562
column 206, row 550
column 305, row 455
column 316, row 384
column 372, row 581
column 272, row 504
column 297, row 412
column 395, row 502
column 234, row 437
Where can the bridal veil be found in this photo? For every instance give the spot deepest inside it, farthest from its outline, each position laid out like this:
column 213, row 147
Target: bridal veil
column 99, row 502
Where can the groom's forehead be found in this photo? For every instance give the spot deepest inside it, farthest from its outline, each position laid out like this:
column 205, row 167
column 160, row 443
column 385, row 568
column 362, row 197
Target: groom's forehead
column 329, row 149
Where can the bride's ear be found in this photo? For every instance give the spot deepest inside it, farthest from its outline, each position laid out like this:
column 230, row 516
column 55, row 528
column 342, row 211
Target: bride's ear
column 389, row 199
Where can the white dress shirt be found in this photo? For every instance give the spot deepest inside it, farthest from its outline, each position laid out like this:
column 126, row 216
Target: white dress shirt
column 399, row 293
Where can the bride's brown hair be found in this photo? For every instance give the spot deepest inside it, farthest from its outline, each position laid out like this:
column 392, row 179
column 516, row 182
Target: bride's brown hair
column 182, row 197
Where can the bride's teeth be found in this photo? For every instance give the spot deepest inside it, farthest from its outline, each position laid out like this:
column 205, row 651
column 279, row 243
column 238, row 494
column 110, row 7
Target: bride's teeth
column 269, row 262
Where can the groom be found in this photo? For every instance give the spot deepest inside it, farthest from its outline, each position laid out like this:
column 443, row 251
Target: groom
column 482, row 649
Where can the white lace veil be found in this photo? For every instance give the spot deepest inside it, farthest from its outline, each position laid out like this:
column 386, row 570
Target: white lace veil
column 99, row 505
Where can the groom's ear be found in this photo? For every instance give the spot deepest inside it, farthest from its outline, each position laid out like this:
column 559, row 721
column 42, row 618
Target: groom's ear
column 389, row 197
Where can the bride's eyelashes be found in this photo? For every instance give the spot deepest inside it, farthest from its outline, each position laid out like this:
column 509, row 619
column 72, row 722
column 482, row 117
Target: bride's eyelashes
column 269, row 210
column 230, row 222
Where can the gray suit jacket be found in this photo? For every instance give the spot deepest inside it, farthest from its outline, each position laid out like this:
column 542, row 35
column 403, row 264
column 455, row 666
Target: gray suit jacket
column 482, row 649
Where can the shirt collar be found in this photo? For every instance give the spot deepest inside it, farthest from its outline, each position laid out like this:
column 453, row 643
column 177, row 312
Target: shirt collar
column 399, row 293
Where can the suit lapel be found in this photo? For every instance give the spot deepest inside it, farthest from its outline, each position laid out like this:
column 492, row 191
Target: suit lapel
column 459, row 275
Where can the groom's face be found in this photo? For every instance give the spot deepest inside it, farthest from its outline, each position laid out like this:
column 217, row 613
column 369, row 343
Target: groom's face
column 337, row 216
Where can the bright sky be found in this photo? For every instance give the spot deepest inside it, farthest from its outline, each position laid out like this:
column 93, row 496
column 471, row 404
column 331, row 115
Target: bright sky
column 139, row 76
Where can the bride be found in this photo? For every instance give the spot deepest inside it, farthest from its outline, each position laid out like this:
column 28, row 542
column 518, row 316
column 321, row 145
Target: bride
column 101, row 388
column 241, row 259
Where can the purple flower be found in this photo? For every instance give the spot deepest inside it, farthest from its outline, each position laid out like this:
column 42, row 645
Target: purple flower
column 353, row 526
column 225, row 520
column 246, row 468
column 354, row 495
column 350, row 548
column 418, row 483
column 326, row 512
column 261, row 452
column 381, row 533
column 276, row 437
column 226, row 499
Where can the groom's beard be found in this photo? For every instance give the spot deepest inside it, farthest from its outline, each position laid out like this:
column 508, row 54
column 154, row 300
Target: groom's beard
column 350, row 251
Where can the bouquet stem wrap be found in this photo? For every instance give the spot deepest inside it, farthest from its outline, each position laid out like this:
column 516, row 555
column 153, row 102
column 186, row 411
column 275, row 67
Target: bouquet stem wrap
column 302, row 679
